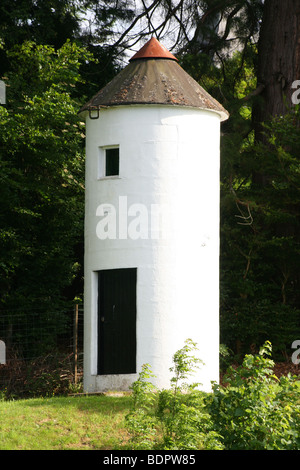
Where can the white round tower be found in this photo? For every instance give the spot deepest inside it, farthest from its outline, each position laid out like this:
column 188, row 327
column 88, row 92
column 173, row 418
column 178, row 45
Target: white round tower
column 151, row 223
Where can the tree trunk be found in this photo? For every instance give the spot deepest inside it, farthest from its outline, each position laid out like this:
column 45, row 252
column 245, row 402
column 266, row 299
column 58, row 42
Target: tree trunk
column 278, row 59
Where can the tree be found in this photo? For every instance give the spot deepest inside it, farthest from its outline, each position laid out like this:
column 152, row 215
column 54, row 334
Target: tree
column 206, row 26
column 278, row 64
column 44, row 57
column 51, row 23
column 261, row 298
column 260, row 243
column 42, row 171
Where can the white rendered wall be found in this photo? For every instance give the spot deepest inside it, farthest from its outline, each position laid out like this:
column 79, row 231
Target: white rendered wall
column 169, row 158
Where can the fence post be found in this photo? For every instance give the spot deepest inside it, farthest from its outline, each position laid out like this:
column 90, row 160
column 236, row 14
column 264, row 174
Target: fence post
column 75, row 342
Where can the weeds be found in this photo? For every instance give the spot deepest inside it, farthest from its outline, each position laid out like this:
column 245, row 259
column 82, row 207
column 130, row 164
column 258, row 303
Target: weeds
column 255, row 411
column 171, row 419
column 47, row 376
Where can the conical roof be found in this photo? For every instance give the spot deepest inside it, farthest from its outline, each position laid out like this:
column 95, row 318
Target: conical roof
column 153, row 76
column 153, row 49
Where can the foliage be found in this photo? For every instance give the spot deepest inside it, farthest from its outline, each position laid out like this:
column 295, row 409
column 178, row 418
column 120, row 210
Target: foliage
column 256, row 410
column 141, row 421
column 260, row 241
column 51, row 375
column 51, row 22
column 171, row 419
column 42, row 178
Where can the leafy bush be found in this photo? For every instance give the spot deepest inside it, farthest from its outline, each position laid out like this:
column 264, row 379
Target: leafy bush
column 257, row 411
column 254, row 411
column 174, row 418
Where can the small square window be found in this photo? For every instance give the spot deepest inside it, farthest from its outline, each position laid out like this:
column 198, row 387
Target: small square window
column 109, row 161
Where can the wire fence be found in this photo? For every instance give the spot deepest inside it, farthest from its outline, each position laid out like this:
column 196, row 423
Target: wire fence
column 41, row 353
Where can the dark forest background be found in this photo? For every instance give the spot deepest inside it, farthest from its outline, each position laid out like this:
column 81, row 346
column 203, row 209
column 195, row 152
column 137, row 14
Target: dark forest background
column 56, row 54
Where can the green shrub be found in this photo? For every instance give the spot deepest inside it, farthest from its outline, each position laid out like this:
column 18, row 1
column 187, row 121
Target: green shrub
column 141, row 421
column 254, row 411
column 175, row 418
column 257, row 411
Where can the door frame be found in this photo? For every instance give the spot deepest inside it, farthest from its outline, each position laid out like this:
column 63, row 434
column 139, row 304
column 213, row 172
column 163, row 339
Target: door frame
column 117, row 326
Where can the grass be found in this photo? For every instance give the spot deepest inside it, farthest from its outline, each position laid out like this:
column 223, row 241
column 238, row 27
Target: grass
column 62, row 423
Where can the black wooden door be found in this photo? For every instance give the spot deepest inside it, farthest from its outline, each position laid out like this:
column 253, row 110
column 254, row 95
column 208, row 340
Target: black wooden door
column 117, row 321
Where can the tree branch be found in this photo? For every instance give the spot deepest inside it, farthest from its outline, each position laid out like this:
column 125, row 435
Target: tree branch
column 256, row 92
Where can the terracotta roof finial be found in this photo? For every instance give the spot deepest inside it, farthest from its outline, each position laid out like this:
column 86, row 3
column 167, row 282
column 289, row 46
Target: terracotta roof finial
column 153, row 49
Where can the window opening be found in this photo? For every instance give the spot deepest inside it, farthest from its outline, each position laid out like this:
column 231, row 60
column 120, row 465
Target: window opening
column 109, row 162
